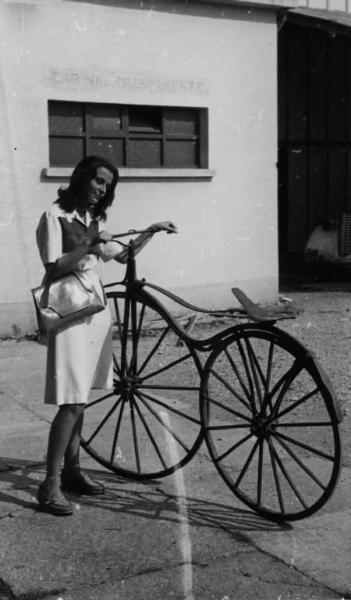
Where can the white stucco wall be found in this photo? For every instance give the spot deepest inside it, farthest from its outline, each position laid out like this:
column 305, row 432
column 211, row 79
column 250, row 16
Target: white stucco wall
column 99, row 53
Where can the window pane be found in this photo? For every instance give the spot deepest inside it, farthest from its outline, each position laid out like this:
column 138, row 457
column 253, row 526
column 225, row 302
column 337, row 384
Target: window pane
column 144, row 153
column 66, row 151
column 104, row 117
column 144, row 118
column 112, row 150
column 65, row 118
column 181, row 154
column 182, row 121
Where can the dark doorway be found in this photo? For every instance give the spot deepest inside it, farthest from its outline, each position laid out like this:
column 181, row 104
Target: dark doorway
column 314, row 128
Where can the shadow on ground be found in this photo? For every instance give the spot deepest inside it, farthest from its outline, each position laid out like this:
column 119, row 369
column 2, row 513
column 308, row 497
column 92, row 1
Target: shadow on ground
column 143, row 499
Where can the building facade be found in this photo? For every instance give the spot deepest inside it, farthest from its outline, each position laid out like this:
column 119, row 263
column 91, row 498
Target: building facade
column 100, row 77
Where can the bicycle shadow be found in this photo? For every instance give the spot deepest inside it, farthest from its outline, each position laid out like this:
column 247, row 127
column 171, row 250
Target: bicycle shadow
column 155, row 503
column 142, row 499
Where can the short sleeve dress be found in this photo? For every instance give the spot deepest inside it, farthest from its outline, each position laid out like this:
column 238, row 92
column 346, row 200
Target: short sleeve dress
column 79, row 357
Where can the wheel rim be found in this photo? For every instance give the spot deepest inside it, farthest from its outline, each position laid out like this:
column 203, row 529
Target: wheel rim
column 149, row 425
column 270, row 423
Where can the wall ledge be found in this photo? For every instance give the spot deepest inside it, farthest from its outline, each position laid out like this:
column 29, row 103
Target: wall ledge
column 266, row 4
column 125, row 173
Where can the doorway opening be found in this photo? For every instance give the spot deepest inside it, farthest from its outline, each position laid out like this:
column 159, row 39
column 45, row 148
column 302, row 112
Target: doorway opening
column 314, row 131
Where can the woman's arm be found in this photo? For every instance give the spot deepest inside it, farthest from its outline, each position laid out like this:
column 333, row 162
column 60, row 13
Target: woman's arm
column 68, row 262
column 144, row 238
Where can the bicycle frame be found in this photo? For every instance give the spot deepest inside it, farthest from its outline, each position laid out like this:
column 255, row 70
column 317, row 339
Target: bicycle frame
column 135, row 289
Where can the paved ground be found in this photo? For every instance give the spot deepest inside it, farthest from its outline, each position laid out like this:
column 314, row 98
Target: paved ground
column 145, row 540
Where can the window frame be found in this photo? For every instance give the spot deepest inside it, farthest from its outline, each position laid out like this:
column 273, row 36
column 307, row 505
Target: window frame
column 127, row 133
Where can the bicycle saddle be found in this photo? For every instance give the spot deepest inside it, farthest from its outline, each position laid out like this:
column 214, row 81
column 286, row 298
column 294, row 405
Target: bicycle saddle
column 254, row 312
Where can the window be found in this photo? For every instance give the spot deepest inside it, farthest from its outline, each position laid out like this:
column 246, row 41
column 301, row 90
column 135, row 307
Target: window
column 129, row 136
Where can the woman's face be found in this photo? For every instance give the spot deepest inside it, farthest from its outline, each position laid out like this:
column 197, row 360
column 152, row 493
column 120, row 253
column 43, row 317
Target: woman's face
column 97, row 187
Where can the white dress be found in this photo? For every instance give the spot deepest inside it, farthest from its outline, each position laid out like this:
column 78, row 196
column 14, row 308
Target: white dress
column 79, row 357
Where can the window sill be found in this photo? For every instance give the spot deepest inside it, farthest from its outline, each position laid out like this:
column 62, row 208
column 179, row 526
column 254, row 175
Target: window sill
column 125, row 173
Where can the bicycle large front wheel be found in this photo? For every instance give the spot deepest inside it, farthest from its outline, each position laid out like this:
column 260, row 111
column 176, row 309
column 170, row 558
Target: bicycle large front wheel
column 271, row 423
column 149, row 425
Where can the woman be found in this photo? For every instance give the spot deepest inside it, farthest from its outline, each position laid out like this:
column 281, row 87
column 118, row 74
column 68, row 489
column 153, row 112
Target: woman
column 79, row 356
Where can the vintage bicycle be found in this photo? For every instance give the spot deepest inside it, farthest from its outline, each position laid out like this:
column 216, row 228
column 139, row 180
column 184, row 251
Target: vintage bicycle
column 254, row 393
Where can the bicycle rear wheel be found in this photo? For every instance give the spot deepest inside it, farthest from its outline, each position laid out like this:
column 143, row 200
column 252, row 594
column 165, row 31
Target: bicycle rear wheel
column 271, row 423
column 149, row 425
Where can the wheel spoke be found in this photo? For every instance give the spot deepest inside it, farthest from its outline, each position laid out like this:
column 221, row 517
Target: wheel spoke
column 179, row 388
column 102, row 423
column 135, row 437
column 230, row 389
column 240, row 379
column 124, row 338
column 233, row 447
column 141, row 319
column 286, row 475
column 116, row 433
column 258, row 367
column 276, row 477
column 153, row 350
column 98, row 400
column 136, row 338
column 116, row 364
column 306, row 424
column 295, row 404
column 118, row 317
column 304, row 446
column 151, row 437
column 248, row 375
column 166, row 367
column 268, row 400
column 300, row 463
column 255, row 370
column 269, row 368
column 260, row 471
column 224, row 427
column 230, row 410
column 162, row 422
column 247, row 464
column 170, row 408
column 287, row 380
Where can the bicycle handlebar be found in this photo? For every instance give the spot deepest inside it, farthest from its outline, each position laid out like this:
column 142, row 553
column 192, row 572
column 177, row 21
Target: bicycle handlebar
column 130, row 232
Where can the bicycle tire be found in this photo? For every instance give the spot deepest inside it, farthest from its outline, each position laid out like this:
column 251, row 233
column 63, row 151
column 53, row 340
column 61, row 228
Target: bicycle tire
column 149, row 425
column 271, row 422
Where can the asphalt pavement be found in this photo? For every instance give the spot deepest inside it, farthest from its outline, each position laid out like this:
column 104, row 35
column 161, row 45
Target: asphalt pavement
column 152, row 540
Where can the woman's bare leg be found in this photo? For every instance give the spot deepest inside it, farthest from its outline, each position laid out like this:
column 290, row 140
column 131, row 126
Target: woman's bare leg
column 61, row 432
column 71, row 457
column 72, row 477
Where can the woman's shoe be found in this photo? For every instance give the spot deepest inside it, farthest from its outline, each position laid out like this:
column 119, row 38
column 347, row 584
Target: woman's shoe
column 55, row 504
column 74, row 480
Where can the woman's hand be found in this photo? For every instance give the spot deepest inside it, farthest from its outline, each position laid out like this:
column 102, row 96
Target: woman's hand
column 145, row 237
column 164, row 226
column 104, row 236
column 92, row 240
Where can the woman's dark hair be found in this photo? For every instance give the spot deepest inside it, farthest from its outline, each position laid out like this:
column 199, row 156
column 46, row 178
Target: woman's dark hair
column 69, row 198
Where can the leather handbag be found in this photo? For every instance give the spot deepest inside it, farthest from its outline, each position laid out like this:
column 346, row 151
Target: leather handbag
column 61, row 302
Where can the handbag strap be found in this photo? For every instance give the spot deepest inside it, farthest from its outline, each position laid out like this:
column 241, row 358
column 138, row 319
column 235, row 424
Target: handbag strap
column 47, row 280
column 48, row 277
